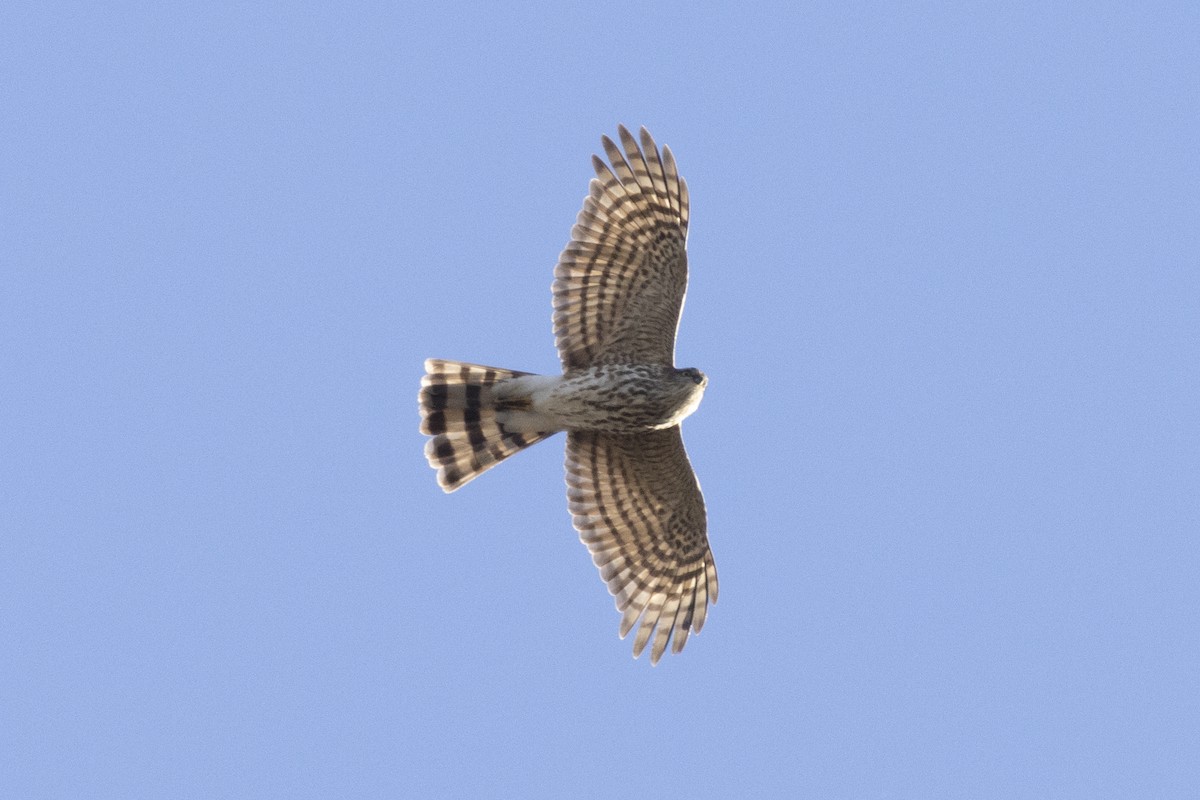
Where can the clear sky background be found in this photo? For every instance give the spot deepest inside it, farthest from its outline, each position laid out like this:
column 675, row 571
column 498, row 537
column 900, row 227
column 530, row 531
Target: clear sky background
column 945, row 285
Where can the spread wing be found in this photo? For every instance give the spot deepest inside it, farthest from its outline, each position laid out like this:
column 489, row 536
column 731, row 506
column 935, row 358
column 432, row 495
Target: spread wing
column 620, row 282
column 638, row 508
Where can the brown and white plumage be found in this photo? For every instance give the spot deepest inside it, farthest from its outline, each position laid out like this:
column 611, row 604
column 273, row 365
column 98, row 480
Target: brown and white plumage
column 618, row 293
column 638, row 508
column 458, row 411
column 620, row 282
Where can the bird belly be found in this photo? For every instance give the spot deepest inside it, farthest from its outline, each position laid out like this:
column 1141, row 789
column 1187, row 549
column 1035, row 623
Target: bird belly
column 620, row 399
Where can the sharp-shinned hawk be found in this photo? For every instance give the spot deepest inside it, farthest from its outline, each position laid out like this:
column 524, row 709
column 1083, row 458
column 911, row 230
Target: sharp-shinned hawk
column 618, row 292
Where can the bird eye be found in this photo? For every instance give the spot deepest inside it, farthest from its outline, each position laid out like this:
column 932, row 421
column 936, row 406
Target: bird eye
column 696, row 377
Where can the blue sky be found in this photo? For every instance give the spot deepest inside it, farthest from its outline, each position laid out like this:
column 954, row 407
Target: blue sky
column 945, row 285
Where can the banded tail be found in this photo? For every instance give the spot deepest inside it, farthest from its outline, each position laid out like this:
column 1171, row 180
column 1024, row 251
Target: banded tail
column 459, row 412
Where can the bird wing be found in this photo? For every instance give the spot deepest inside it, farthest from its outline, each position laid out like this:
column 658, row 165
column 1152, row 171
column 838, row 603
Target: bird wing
column 638, row 507
column 620, row 282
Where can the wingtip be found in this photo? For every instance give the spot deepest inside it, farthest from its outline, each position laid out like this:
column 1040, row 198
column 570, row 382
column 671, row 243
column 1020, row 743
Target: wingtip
column 648, row 143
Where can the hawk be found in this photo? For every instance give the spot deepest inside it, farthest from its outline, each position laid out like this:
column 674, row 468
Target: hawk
column 618, row 292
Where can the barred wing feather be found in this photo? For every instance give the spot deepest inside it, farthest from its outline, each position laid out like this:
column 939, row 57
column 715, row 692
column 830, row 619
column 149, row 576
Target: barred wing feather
column 619, row 284
column 638, row 507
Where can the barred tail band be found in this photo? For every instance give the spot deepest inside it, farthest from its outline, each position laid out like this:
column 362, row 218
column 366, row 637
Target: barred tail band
column 458, row 411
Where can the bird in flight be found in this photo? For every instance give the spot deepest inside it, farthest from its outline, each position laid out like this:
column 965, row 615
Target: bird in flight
column 618, row 292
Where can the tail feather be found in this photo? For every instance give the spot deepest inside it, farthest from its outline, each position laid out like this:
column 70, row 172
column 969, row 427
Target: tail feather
column 458, row 411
